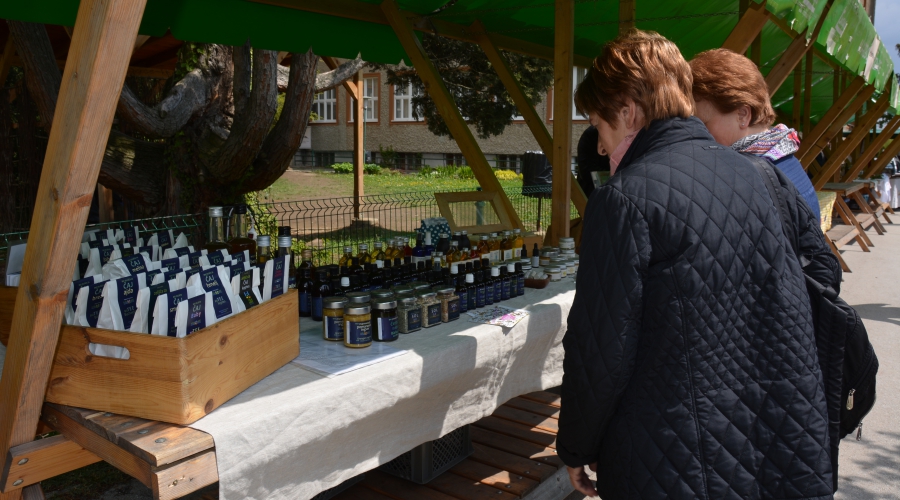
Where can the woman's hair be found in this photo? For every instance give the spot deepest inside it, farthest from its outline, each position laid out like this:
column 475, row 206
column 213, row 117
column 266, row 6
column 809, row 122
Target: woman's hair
column 728, row 81
column 643, row 66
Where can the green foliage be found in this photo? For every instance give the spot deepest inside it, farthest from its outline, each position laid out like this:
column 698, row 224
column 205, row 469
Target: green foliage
column 347, row 168
column 388, row 156
column 371, row 169
column 464, row 173
column 507, row 175
column 278, row 110
column 471, row 79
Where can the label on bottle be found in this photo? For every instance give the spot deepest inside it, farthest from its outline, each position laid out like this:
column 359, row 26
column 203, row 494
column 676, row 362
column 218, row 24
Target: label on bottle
column 507, row 254
column 463, row 301
column 471, row 296
column 386, row 329
column 498, row 291
column 292, row 282
column 211, row 283
column 357, row 332
column 174, row 299
column 95, row 303
column 126, row 288
column 504, row 289
column 305, row 304
column 246, row 291
column 317, row 308
column 479, row 296
column 518, row 253
column 453, row 309
column 434, row 314
column 489, row 294
column 495, row 256
column 277, row 277
column 170, row 264
column 521, row 285
column 197, row 315
column 413, row 319
column 333, row 328
column 194, row 258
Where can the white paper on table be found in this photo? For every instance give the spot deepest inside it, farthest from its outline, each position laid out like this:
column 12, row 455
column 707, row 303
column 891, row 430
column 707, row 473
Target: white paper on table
column 330, row 359
column 506, row 317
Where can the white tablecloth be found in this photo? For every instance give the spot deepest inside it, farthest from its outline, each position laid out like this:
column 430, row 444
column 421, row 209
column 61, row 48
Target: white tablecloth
column 895, row 192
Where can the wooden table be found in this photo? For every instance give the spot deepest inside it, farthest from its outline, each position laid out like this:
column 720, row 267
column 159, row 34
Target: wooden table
column 879, row 208
column 863, row 219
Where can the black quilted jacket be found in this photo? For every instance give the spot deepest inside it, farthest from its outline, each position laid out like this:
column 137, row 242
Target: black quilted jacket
column 690, row 359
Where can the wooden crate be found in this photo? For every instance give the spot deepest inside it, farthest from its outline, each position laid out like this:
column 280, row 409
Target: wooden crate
column 177, row 380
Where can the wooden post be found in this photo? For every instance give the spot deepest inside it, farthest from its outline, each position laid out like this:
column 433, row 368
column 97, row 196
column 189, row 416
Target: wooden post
column 798, row 48
column 807, row 92
column 881, row 162
column 564, row 41
column 358, row 144
column 860, row 130
column 873, row 149
column 105, row 203
column 834, row 130
column 627, row 15
column 105, row 31
column 446, row 106
column 748, row 28
column 532, row 119
column 797, row 104
column 840, row 102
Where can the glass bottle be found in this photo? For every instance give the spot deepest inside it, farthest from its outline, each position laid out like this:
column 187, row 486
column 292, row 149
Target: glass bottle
column 363, row 255
column 461, row 289
column 443, row 244
column 520, row 276
column 453, row 253
column 471, row 292
column 479, row 290
column 305, row 288
column 284, row 250
column 464, row 240
column 484, row 248
column 535, row 256
column 491, row 296
column 505, row 289
column 464, row 254
column 457, row 237
column 344, row 288
column 321, row 289
column 378, row 255
column 216, row 230
column 354, row 267
column 506, row 246
column 418, row 253
column 407, row 250
column 345, row 259
column 518, row 243
column 305, row 259
column 263, row 249
column 494, row 243
column 240, row 241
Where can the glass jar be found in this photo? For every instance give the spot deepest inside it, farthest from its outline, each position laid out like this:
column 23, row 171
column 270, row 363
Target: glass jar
column 384, row 321
column 573, row 266
column 420, row 286
column 449, row 304
column 359, row 297
column 431, row 308
column 567, row 243
column 381, row 295
column 357, row 325
column 561, row 264
column 409, row 315
column 333, row 318
column 401, row 289
column 555, row 273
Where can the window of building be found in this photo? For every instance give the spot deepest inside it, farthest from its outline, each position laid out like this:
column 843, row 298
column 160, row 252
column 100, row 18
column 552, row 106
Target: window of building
column 324, row 158
column 509, row 162
column 454, row 159
column 324, row 106
column 370, row 102
column 403, row 106
column 578, row 74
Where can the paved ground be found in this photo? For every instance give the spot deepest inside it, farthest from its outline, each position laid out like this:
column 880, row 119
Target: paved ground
column 870, row 469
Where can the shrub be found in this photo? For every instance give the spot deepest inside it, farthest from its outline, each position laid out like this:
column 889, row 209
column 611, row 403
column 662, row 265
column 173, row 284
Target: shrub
column 342, row 168
column 507, row 175
column 370, row 169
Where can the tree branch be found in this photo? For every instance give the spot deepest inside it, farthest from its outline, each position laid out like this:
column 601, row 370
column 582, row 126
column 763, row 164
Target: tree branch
column 134, row 169
column 243, row 72
column 190, row 95
column 42, row 75
column 339, row 75
column 284, row 139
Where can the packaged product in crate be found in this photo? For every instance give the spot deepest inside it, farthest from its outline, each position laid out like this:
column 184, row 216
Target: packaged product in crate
column 217, row 281
column 74, row 290
column 127, row 266
column 171, row 253
column 195, row 313
column 164, row 313
column 246, row 287
column 275, row 277
column 146, row 302
column 237, row 268
column 120, row 302
column 88, row 304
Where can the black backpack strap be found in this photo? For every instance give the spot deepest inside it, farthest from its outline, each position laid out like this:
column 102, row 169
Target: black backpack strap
column 773, row 186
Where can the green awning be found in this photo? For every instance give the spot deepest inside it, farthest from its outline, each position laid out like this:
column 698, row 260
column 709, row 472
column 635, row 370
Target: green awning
column 847, row 36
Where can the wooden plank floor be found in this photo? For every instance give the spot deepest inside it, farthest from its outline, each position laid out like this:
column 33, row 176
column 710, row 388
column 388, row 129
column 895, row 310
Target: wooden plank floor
column 514, row 453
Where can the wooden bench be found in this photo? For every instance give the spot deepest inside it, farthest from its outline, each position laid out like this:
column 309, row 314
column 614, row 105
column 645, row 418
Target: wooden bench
column 862, row 220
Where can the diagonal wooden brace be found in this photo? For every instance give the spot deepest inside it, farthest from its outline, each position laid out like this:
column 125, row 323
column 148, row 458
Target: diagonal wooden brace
column 748, row 28
column 873, row 149
column 837, row 126
column 881, row 162
column 811, row 137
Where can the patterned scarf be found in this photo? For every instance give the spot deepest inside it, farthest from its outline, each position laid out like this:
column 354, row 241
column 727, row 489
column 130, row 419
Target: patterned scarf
column 774, row 144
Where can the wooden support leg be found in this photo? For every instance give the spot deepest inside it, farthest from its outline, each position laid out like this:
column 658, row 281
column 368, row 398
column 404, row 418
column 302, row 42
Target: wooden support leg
column 866, row 209
column 874, row 148
column 837, row 253
column 103, row 40
column 833, row 130
column 564, row 40
column 847, row 216
column 358, row 145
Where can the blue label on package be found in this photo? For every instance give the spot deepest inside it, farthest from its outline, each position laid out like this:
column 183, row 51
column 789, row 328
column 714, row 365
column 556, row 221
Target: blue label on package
column 127, row 251
column 357, row 332
column 434, row 314
column 333, row 328
column 479, row 297
column 105, row 253
column 385, row 329
column 215, row 258
column 131, row 235
column 95, row 303
column 521, row 285
column 163, row 240
column 82, row 266
column 236, row 269
column 127, row 289
column 152, row 274
column 95, row 243
column 170, row 264
column 155, row 292
column 77, row 285
column 197, row 314
column 305, row 303
column 182, row 251
column 277, row 277
column 238, row 257
column 147, row 250
column 194, row 258
column 174, row 298
column 470, row 300
column 414, row 319
column 211, row 283
column 135, row 264
column 246, row 291
column 453, row 309
column 190, row 271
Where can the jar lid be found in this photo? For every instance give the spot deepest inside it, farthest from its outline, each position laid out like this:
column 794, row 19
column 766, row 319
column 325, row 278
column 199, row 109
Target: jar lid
column 402, row 288
column 384, row 305
column 421, row 286
column 408, row 301
column 510, row 268
column 526, row 267
column 215, row 211
column 554, row 270
column 377, row 294
column 446, row 289
column 359, row 297
column 427, row 295
column 363, row 246
column 263, row 240
column 284, row 241
column 334, row 302
column 357, row 309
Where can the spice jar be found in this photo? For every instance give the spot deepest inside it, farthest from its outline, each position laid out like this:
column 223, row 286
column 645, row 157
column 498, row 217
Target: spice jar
column 384, row 321
column 555, row 273
column 567, row 243
column 409, row 315
column 561, row 264
column 359, row 297
column 431, row 309
column 333, row 318
column 357, row 325
column 449, row 304
column 378, row 295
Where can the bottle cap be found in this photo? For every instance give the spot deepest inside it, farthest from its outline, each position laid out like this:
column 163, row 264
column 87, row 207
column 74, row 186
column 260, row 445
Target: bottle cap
column 363, row 247
column 484, row 237
column 464, row 232
column 348, row 249
column 284, row 242
column 427, row 239
column 334, row 302
column 470, row 278
column 240, row 209
column 263, row 240
column 511, row 268
column 517, row 231
column 456, row 233
column 345, row 281
column 215, row 211
column 378, row 244
column 454, row 243
column 284, row 230
column 454, row 269
column 493, row 235
column 495, row 271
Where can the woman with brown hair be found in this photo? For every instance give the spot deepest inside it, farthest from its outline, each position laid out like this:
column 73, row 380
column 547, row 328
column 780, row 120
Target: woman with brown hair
column 690, row 361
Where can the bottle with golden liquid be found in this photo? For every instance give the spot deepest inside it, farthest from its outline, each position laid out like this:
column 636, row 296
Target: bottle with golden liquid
column 378, row 255
column 391, row 249
column 263, row 249
column 506, row 246
column 345, row 260
column 216, row 239
column 494, row 243
column 241, row 241
column 363, row 255
column 453, row 253
column 483, row 251
column 518, row 243
column 465, row 254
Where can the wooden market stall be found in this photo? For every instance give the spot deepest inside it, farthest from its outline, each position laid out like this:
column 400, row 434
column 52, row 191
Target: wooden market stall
column 806, row 44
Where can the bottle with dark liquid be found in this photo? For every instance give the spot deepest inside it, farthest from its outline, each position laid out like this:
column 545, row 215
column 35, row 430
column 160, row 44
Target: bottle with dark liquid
column 216, row 239
column 284, row 250
column 471, row 293
column 461, row 289
column 263, row 249
column 321, row 289
column 305, row 288
column 240, row 241
column 505, row 292
column 479, row 289
column 354, row 267
column 489, row 286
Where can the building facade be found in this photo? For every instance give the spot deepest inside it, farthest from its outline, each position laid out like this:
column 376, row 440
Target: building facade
column 394, row 137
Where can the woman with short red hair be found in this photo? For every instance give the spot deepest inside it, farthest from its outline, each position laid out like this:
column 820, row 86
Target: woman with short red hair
column 690, row 365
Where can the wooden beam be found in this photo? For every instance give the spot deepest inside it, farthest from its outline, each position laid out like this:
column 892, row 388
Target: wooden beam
column 881, row 162
column 446, row 106
column 561, row 159
column 627, row 15
column 35, row 461
column 532, row 119
column 349, row 86
column 6, row 60
column 873, row 149
column 371, row 13
column 860, row 131
column 840, row 102
column 748, row 28
column 358, row 143
column 105, row 203
column 834, row 130
column 95, row 72
column 799, row 47
column 135, row 71
column 807, row 92
column 797, row 104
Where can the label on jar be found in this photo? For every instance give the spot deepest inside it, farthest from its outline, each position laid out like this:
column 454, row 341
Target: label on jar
column 434, row 314
column 453, row 309
column 333, row 327
column 463, row 301
column 386, row 329
column 507, row 254
column 357, row 332
column 413, row 319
